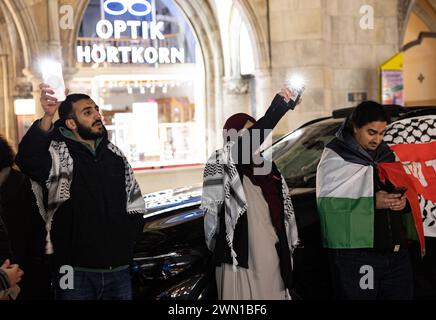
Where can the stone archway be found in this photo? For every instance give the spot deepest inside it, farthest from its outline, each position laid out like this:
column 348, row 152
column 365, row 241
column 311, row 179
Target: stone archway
column 418, row 46
column 70, row 38
column 205, row 27
column 25, row 27
column 418, row 7
column 16, row 48
column 258, row 35
column 423, row 9
column 249, row 12
column 200, row 15
column 404, row 10
column 6, row 60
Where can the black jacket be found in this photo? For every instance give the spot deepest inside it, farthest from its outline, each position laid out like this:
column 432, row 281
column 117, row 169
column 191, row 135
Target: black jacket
column 92, row 229
column 388, row 225
column 26, row 235
column 5, row 252
column 5, row 246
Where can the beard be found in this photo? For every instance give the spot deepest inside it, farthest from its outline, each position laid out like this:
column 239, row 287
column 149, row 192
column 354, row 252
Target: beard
column 86, row 133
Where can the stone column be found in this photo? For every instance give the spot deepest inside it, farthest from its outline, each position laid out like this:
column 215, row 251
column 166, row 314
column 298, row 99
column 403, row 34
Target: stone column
column 5, row 94
column 54, row 41
column 69, row 74
column 34, row 81
column 236, row 97
column 263, row 91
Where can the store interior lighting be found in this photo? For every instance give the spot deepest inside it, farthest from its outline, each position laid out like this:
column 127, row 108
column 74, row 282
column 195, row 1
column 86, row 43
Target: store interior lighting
column 141, row 86
column 24, row 106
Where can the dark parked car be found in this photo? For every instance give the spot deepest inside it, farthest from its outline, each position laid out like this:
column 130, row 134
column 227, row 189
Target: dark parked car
column 171, row 258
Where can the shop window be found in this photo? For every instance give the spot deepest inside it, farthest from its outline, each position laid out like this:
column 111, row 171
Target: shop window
column 153, row 110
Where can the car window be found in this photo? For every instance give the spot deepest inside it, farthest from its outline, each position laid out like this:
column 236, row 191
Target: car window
column 297, row 156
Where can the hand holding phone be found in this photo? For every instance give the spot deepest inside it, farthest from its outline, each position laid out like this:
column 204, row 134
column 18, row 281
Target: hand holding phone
column 296, row 85
column 399, row 190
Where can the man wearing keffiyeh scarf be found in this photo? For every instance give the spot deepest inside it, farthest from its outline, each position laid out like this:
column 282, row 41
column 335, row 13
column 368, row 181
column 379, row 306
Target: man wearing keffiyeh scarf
column 87, row 195
column 227, row 208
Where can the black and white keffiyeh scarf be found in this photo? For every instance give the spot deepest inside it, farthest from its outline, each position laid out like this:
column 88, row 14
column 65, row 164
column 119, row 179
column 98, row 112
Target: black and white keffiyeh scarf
column 59, row 182
column 421, row 129
column 223, row 186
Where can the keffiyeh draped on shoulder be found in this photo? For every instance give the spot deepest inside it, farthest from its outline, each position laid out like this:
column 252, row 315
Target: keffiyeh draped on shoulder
column 222, row 186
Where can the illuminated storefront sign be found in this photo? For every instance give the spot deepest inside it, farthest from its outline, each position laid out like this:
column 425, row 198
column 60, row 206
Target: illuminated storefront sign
column 149, row 30
column 128, row 5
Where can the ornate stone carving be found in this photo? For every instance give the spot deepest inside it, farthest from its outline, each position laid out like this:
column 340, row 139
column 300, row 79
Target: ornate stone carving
column 23, row 88
column 237, row 86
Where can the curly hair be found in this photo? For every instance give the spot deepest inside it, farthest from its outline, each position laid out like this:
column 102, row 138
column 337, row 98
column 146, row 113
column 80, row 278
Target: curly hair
column 7, row 155
column 364, row 113
column 66, row 107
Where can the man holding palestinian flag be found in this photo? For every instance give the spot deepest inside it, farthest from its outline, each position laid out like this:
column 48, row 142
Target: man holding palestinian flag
column 361, row 215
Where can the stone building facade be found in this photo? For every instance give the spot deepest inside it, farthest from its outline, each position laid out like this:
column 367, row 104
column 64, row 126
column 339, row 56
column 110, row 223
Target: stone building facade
column 338, row 45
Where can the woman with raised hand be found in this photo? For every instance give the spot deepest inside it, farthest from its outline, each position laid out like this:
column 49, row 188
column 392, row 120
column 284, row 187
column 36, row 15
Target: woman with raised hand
column 249, row 221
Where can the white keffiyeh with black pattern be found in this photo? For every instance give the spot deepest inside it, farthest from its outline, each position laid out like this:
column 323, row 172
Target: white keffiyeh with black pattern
column 421, row 129
column 59, row 182
column 222, row 185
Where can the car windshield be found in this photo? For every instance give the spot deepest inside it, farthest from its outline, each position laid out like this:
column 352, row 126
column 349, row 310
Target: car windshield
column 298, row 154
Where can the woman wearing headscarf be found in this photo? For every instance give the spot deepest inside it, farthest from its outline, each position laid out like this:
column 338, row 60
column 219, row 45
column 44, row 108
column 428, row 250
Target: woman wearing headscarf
column 249, row 221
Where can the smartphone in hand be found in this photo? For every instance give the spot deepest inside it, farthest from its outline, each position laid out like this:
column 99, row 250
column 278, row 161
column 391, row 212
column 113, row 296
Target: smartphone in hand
column 400, row 190
column 299, row 93
column 296, row 84
column 52, row 75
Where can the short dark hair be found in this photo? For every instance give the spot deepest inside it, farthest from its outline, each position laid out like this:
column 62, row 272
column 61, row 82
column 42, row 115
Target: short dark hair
column 369, row 111
column 7, row 155
column 66, row 107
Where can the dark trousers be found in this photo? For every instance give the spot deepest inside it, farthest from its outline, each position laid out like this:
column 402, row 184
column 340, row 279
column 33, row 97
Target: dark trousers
column 361, row 274
column 98, row 286
column 424, row 269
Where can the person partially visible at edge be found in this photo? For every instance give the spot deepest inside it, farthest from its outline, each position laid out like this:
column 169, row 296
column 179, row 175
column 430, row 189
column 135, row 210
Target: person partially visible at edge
column 87, row 195
column 249, row 221
column 25, row 228
column 361, row 218
column 10, row 274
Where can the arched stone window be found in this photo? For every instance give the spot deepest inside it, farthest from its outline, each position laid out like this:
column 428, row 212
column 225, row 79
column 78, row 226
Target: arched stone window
column 141, row 62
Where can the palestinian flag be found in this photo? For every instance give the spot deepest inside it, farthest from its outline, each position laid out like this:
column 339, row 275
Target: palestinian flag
column 414, row 144
column 345, row 198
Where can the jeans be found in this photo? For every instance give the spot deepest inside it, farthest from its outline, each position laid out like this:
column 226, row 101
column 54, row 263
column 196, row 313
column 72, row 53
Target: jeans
column 89, row 285
column 361, row 274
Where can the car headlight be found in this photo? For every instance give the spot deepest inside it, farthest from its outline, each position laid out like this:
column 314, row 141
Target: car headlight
column 189, row 289
column 168, row 265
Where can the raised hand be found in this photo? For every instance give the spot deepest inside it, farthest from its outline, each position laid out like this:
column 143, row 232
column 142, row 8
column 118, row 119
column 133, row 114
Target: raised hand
column 49, row 104
column 287, row 94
